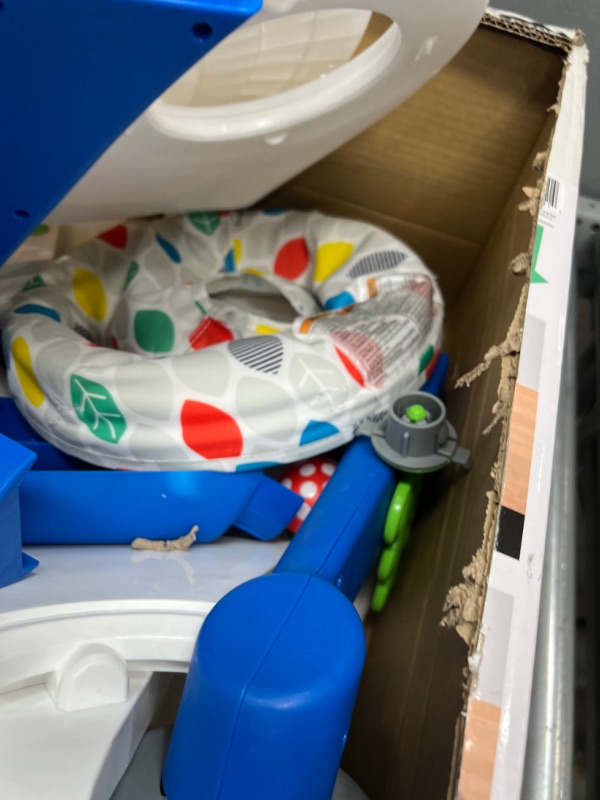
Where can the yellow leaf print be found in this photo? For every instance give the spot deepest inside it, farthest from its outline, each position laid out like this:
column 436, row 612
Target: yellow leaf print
column 89, row 293
column 25, row 374
column 330, row 258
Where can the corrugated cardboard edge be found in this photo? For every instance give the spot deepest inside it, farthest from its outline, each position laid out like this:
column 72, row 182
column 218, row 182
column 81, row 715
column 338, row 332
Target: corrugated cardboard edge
column 464, row 602
column 548, row 302
column 550, row 35
column 463, row 609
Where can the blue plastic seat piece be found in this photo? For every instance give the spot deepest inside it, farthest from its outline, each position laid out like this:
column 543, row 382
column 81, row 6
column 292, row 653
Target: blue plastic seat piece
column 15, row 461
column 106, row 507
column 65, row 501
column 14, row 425
column 74, row 75
column 269, row 694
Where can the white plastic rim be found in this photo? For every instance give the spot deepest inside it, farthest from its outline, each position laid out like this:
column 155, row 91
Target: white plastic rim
column 268, row 115
column 267, row 58
column 174, row 159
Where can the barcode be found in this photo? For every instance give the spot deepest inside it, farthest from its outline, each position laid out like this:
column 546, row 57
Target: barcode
column 552, row 193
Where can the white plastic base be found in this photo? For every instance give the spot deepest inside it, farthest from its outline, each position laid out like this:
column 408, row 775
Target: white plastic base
column 50, row 754
column 145, row 607
column 85, row 642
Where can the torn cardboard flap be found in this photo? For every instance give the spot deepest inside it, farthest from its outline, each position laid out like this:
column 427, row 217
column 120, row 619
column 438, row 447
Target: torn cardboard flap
column 507, row 349
column 539, row 162
column 464, row 602
column 462, row 610
column 533, row 194
column 521, row 264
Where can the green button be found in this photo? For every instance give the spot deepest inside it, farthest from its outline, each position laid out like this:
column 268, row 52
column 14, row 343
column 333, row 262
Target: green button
column 395, row 536
column 388, row 563
column 416, row 413
column 380, row 596
column 399, row 513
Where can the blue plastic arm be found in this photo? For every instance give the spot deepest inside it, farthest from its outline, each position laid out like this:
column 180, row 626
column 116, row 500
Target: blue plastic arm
column 342, row 536
column 273, row 680
column 269, row 694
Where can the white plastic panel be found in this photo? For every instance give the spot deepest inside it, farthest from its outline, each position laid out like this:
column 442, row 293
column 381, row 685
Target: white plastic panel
column 50, row 754
column 146, row 607
column 181, row 157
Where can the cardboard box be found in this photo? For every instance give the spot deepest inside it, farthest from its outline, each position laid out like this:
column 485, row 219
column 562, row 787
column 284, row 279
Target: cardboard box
column 478, row 172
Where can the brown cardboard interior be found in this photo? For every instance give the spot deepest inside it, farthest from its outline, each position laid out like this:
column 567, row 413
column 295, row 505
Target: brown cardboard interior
column 445, row 172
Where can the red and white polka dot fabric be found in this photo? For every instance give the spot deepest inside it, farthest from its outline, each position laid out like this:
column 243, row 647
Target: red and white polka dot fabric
column 308, row 479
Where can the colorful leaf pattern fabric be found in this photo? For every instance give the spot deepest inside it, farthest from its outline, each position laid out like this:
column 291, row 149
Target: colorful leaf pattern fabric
column 218, row 341
column 95, row 407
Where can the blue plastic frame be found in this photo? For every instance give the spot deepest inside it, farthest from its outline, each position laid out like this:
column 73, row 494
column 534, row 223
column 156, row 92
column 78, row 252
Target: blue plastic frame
column 74, row 75
column 276, row 668
column 15, row 462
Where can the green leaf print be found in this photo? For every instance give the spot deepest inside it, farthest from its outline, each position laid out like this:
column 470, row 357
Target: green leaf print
column 133, row 270
column 34, row 283
column 95, row 407
column 205, row 221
